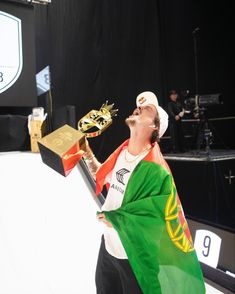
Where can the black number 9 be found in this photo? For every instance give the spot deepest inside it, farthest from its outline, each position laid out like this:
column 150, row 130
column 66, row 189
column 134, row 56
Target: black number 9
column 1, row 77
column 206, row 244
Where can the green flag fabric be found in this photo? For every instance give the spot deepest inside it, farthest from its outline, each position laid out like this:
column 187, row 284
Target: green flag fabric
column 152, row 231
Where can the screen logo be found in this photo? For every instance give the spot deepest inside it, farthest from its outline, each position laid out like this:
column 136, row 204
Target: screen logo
column 11, row 57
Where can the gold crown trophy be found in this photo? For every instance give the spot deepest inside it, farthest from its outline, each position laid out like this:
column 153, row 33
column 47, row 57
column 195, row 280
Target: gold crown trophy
column 63, row 148
column 97, row 119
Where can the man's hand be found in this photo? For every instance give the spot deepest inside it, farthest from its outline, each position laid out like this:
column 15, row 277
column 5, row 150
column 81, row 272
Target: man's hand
column 86, row 147
column 101, row 217
column 177, row 117
column 181, row 114
column 92, row 163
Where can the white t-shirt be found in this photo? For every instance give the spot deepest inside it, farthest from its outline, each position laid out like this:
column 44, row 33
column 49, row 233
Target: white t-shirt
column 121, row 173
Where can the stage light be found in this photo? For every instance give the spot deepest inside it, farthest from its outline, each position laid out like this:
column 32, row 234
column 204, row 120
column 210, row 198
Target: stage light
column 204, row 100
column 44, row 2
column 39, row 1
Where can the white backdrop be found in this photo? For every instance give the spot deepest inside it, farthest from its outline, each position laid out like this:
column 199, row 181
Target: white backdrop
column 49, row 235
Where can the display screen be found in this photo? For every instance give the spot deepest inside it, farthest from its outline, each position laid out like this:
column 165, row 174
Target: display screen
column 43, row 81
column 17, row 55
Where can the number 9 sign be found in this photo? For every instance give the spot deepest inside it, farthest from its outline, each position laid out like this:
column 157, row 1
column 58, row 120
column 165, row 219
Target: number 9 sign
column 207, row 245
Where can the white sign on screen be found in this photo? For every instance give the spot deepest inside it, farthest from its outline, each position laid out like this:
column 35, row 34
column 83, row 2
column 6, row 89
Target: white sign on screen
column 11, row 58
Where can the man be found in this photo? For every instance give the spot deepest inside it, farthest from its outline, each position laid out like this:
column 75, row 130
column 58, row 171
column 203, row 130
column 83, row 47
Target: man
column 176, row 112
column 146, row 247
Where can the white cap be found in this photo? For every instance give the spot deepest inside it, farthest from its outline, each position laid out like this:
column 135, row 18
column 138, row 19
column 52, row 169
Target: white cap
column 148, row 97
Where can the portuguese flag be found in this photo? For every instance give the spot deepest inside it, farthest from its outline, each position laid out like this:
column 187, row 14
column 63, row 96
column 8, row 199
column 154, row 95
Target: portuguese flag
column 153, row 229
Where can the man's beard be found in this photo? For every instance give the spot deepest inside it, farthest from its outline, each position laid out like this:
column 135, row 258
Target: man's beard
column 130, row 121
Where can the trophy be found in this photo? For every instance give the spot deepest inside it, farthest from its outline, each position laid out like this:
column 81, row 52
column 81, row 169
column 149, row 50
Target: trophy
column 97, row 121
column 63, row 148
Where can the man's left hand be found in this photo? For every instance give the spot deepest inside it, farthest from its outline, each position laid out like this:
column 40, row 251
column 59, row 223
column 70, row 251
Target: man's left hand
column 102, row 218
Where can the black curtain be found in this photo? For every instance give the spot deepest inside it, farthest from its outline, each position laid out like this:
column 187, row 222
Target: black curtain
column 107, row 49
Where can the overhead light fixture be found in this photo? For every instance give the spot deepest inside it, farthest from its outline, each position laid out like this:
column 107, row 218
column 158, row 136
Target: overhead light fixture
column 39, row 1
column 44, row 2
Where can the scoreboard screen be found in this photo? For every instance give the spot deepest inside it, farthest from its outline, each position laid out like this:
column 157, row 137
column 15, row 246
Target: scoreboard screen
column 17, row 55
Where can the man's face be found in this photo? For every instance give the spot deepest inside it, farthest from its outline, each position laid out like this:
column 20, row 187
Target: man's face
column 143, row 117
column 173, row 97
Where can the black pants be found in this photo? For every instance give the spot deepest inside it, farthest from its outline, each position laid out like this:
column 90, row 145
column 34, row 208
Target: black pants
column 114, row 275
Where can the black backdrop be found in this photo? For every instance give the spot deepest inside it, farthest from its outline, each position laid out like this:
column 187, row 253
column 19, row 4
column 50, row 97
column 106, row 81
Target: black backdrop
column 108, row 49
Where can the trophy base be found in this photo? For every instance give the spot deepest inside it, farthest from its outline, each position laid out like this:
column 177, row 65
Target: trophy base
column 62, row 149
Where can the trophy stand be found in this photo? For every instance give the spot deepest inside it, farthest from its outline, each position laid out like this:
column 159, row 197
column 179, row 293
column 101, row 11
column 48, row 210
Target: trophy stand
column 204, row 134
column 194, row 33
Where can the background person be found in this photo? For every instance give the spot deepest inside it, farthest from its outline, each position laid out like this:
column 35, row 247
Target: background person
column 176, row 112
